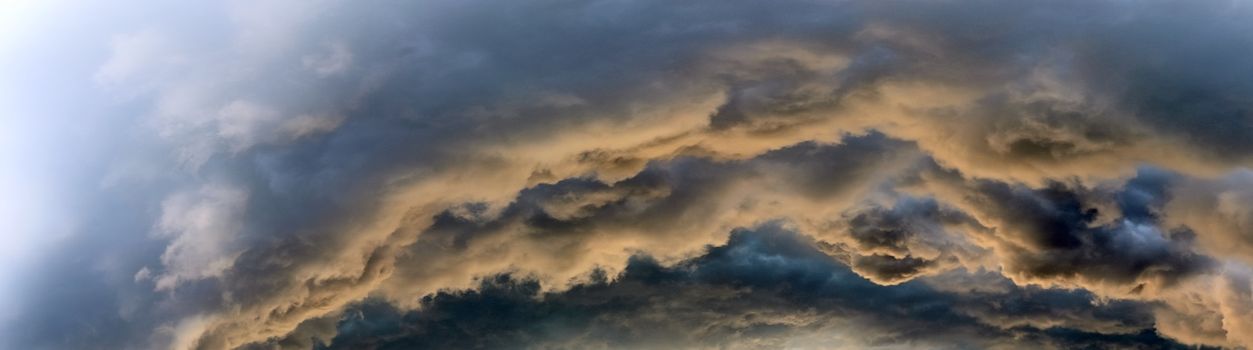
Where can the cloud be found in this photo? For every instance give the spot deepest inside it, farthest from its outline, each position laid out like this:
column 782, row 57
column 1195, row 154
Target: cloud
column 1084, row 178
column 1053, row 234
column 334, row 61
column 764, row 288
column 1218, row 207
column 202, row 227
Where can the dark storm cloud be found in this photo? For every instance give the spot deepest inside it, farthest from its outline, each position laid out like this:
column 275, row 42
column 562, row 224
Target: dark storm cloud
column 764, row 288
column 911, row 238
column 317, row 154
column 1103, row 235
column 1057, row 236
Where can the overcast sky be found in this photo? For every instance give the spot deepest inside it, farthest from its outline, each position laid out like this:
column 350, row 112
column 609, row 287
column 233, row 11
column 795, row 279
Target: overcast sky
column 611, row 174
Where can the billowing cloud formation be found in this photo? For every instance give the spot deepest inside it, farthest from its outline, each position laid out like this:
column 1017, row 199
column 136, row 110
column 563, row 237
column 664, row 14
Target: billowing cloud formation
column 764, row 288
column 627, row 174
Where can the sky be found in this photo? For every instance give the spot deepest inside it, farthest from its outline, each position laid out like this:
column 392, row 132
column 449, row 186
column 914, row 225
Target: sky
column 613, row 174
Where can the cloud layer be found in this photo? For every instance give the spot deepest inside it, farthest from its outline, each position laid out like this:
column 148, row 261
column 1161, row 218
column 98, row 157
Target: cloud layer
column 653, row 174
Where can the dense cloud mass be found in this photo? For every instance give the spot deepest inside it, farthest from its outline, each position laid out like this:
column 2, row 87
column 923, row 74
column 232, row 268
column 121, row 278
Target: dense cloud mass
column 643, row 174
